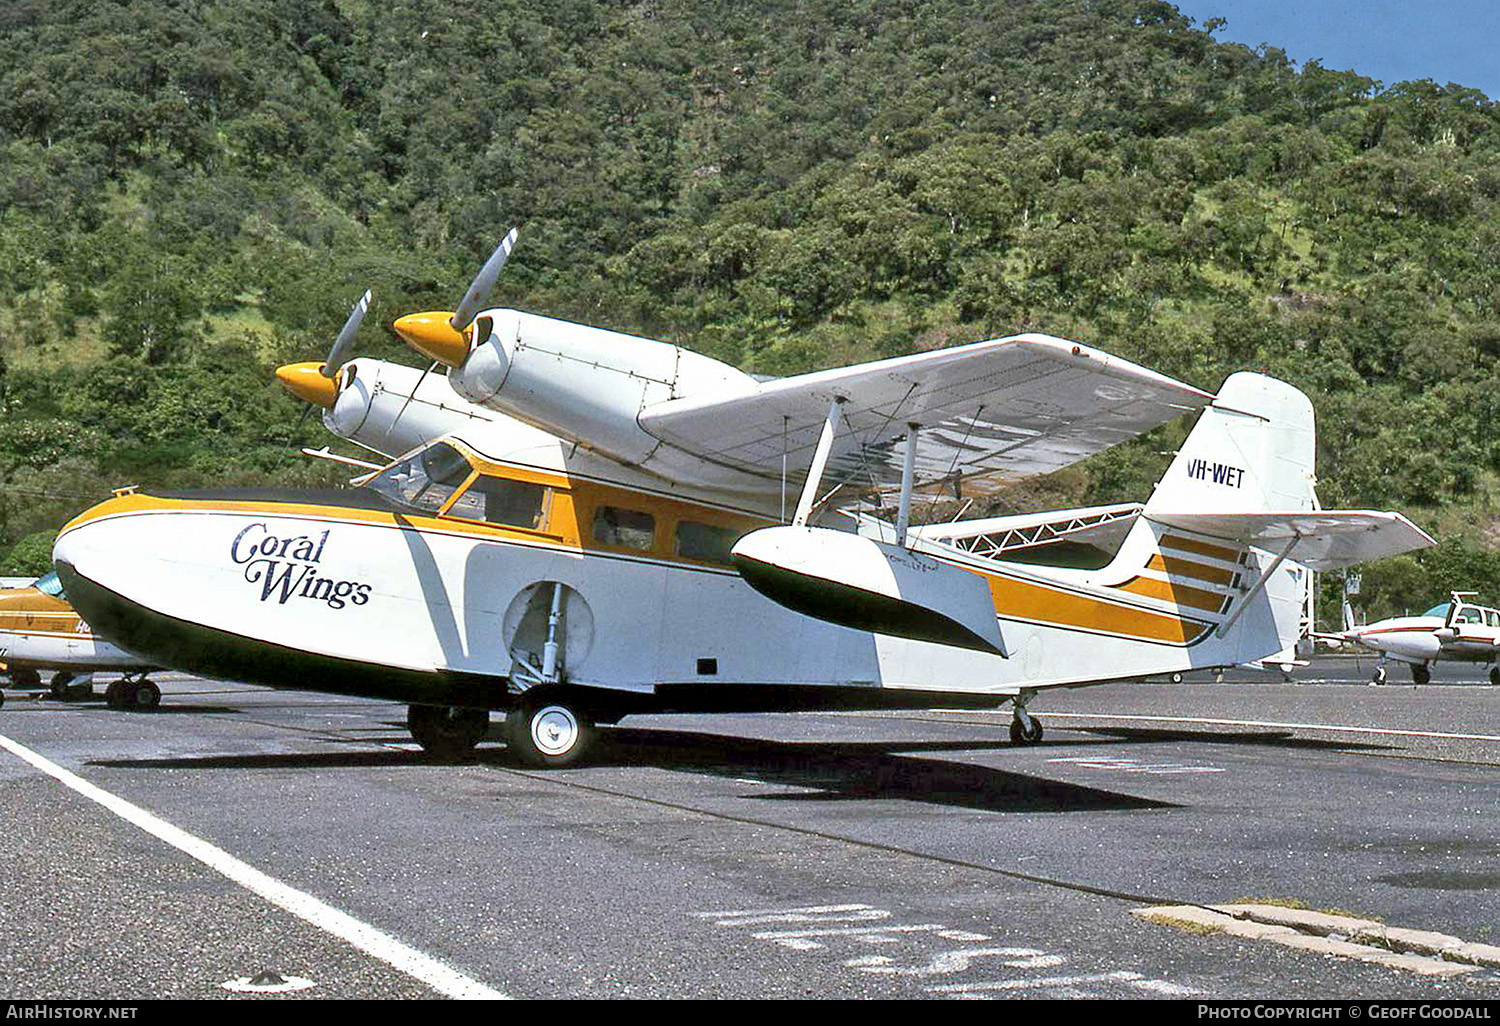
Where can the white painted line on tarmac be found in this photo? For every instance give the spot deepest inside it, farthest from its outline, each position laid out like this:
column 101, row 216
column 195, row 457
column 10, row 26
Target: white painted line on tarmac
column 1337, row 728
column 325, row 917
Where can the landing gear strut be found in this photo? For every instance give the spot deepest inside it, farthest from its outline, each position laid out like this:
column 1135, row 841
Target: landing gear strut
column 447, row 732
column 1025, row 729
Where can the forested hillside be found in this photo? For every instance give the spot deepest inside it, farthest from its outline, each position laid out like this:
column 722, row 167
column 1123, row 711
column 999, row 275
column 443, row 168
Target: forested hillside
column 192, row 192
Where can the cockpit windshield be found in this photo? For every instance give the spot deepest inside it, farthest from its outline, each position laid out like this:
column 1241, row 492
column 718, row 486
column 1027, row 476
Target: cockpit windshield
column 1440, row 611
column 425, row 480
column 49, row 584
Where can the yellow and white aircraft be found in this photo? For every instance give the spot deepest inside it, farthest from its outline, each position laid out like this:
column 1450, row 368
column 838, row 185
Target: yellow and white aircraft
column 1457, row 630
column 577, row 557
column 39, row 631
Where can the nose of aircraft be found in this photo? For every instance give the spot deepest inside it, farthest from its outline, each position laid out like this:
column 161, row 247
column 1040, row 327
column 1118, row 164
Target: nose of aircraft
column 306, row 382
column 432, row 335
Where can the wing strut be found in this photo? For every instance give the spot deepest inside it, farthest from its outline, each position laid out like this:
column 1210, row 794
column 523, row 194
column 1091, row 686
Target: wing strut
column 819, row 461
column 908, row 472
column 1260, row 583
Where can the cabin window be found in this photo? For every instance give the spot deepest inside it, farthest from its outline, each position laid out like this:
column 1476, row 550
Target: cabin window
column 1491, row 618
column 705, row 541
column 426, row 480
column 1468, row 614
column 502, row 501
column 624, row 528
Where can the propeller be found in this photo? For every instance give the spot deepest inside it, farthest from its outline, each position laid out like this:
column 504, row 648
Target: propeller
column 339, row 354
column 483, row 283
column 430, row 337
column 317, row 384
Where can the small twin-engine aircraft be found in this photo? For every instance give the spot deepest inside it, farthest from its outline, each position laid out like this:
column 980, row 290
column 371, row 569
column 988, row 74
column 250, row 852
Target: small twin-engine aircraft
column 40, row 631
column 1457, row 630
column 574, row 555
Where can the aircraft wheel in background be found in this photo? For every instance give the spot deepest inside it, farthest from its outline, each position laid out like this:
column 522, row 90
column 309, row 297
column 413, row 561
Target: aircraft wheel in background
column 548, row 731
column 2, row 697
column 447, row 732
column 58, row 687
column 1420, row 674
column 25, row 678
column 114, row 694
column 1495, row 676
column 1020, row 735
column 1379, row 677
column 143, row 696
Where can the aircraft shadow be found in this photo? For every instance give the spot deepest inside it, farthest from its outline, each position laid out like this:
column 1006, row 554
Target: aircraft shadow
column 829, row 771
column 858, row 771
column 1265, row 739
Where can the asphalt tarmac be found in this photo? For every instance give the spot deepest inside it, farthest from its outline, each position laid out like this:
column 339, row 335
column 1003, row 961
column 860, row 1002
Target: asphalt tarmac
column 241, row 830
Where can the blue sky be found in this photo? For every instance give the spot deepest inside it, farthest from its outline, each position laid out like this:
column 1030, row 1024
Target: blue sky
column 1388, row 40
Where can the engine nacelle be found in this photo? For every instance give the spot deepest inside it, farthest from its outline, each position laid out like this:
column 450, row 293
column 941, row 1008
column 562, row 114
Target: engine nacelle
column 583, row 384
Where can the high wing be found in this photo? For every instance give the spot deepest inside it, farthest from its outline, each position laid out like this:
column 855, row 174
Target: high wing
column 1322, row 540
column 997, row 410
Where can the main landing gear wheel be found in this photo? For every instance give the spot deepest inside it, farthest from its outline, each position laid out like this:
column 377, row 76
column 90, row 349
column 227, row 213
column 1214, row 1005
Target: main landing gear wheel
column 1023, row 734
column 447, row 732
column 1495, row 676
column 133, row 695
column 1420, row 674
column 548, row 732
column 1379, row 677
column 58, row 688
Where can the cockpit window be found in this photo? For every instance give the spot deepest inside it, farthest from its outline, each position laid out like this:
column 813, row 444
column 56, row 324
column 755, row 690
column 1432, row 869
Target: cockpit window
column 49, row 585
column 425, row 480
column 1440, row 611
column 502, row 501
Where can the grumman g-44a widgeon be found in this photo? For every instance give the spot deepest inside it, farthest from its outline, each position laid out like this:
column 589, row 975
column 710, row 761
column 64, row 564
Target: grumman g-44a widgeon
column 638, row 528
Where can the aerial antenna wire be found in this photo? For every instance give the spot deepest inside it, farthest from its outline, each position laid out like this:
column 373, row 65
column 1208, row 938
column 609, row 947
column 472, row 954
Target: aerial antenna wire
column 954, row 465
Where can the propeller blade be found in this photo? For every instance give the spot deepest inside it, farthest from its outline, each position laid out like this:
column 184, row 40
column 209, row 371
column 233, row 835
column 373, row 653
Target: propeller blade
column 483, row 284
column 415, row 385
column 339, row 354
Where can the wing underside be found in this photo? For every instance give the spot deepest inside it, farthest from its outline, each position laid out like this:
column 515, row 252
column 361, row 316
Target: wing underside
column 992, row 411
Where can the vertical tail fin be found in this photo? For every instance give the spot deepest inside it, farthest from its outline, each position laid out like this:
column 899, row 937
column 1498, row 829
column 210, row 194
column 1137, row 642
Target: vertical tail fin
column 1251, row 451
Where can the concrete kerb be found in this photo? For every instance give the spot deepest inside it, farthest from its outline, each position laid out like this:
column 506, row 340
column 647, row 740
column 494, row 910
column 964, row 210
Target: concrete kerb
column 1365, row 940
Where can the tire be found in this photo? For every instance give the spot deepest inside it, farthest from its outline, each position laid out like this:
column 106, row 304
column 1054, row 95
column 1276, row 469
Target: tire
column 548, row 732
column 58, row 687
column 1495, row 676
column 447, row 732
column 1420, row 674
column 144, row 697
column 1020, row 736
column 114, row 694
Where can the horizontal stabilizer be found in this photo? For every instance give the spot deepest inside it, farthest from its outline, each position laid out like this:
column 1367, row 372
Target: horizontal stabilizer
column 1319, row 539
